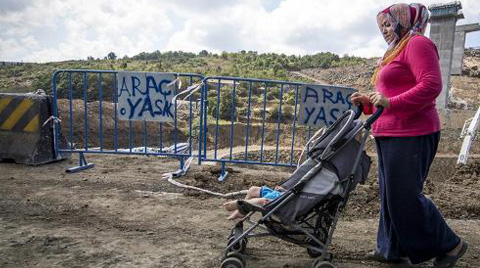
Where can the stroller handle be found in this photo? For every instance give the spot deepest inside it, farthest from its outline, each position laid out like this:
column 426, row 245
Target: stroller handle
column 373, row 117
column 358, row 111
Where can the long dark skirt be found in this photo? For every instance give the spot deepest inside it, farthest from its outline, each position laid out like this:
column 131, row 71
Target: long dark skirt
column 410, row 225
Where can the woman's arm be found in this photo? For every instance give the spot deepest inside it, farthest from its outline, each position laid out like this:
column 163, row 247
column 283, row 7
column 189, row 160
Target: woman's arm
column 422, row 58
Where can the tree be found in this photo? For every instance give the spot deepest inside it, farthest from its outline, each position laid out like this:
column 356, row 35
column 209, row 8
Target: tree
column 203, row 53
column 111, row 56
column 224, row 55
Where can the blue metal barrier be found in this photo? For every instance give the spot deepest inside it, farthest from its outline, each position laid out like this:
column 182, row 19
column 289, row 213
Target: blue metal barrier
column 265, row 112
column 87, row 103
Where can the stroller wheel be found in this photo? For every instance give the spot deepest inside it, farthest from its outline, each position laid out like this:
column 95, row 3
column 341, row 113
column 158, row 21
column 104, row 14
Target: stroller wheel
column 239, row 246
column 323, row 264
column 313, row 253
column 233, row 261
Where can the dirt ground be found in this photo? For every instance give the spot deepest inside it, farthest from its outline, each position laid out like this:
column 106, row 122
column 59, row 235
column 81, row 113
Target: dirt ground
column 122, row 213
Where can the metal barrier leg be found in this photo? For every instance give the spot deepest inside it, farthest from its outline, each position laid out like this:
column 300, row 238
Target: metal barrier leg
column 184, row 165
column 223, row 173
column 81, row 166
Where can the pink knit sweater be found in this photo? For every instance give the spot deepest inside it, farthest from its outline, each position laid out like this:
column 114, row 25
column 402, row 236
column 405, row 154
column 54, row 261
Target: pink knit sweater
column 411, row 82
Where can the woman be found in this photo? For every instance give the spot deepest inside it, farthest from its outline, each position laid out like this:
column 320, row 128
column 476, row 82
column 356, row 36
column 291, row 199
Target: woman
column 407, row 81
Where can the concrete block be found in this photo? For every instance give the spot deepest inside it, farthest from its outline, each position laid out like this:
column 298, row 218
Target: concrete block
column 23, row 138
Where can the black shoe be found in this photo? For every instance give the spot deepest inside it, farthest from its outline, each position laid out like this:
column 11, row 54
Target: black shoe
column 447, row 261
column 377, row 256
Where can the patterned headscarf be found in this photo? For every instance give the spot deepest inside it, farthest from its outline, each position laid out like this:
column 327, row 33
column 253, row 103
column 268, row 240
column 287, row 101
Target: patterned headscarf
column 413, row 18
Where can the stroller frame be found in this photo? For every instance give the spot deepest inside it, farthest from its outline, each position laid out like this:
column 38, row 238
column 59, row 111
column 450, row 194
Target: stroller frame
column 316, row 248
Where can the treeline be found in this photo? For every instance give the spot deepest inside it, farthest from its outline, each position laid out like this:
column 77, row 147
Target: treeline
column 256, row 60
column 251, row 64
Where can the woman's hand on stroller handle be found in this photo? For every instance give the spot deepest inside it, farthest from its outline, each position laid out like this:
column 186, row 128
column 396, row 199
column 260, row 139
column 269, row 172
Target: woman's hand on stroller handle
column 359, row 99
column 379, row 100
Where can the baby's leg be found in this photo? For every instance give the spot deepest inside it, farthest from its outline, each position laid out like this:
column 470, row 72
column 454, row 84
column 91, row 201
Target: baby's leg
column 253, row 192
column 259, row 201
column 230, row 206
column 235, row 215
column 256, row 201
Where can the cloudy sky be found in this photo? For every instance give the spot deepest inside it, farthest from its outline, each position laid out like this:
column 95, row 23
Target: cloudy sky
column 54, row 30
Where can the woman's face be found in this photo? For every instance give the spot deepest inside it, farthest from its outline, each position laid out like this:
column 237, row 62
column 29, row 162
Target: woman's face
column 386, row 28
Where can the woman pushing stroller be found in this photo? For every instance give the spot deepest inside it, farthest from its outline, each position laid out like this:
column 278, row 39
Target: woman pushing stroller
column 407, row 81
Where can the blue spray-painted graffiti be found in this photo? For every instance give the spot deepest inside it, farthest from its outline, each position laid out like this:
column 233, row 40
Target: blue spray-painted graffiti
column 322, row 105
column 145, row 96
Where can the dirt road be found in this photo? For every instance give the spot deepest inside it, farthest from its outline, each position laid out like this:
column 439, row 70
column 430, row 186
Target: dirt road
column 122, row 214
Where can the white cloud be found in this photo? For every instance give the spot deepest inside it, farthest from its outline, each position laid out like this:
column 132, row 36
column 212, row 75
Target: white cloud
column 87, row 28
column 295, row 27
column 51, row 30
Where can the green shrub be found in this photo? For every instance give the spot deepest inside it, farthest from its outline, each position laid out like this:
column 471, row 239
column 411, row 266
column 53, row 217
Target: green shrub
column 287, row 113
column 289, row 97
column 224, row 107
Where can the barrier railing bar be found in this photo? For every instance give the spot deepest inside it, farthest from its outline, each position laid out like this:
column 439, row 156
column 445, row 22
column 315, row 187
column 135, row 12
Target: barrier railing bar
column 279, row 117
column 145, row 135
column 232, row 118
column 294, row 124
column 262, row 80
column 130, row 122
column 206, row 123
column 263, row 120
column 70, row 106
column 248, row 162
column 200, row 130
column 190, row 120
column 160, row 135
column 175, row 118
column 218, row 113
column 309, row 135
column 248, row 118
column 100, row 108
column 115, row 98
column 114, row 72
column 85, row 110
column 55, row 113
column 105, row 151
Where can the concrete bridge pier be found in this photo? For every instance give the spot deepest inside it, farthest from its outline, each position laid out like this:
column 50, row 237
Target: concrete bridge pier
column 459, row 45
column 442, row 32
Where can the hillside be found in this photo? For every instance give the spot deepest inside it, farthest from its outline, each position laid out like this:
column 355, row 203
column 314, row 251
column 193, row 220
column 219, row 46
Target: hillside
column 328, row 67
column 25, row 77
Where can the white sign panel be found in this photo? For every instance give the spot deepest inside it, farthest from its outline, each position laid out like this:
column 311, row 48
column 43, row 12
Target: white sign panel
column 145, row 96
column 321, row 105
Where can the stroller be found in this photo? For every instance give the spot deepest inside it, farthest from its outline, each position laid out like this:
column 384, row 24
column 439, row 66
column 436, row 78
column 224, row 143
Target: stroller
column 316, row 193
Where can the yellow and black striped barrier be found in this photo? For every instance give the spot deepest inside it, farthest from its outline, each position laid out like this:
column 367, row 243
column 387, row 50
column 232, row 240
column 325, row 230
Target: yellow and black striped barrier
column 23, row 139
column 19, row 114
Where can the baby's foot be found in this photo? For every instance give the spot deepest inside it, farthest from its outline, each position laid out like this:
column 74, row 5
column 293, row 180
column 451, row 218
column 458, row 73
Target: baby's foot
column 230, row 206
column 235, row 215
